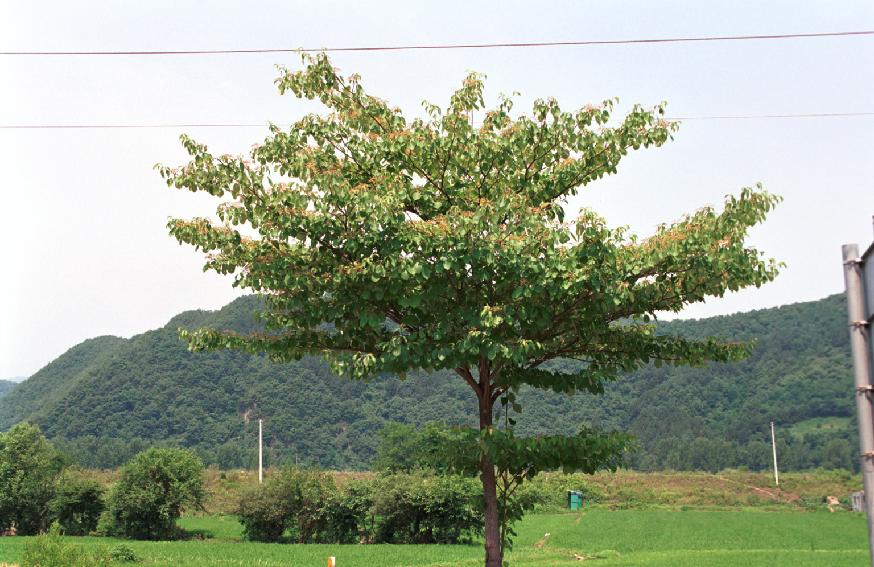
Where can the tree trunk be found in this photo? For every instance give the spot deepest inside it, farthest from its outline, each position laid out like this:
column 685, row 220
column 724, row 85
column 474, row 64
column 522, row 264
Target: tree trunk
column 490, row 497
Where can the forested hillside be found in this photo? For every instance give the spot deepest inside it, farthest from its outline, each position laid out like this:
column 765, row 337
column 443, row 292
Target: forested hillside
column 107, row 398
column 5, row 386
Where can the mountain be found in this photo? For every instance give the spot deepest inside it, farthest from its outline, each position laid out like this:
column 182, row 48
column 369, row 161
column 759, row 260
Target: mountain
column 107, row 398
column 5, row 386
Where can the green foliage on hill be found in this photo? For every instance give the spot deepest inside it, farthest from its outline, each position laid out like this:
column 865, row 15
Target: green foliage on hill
column 57, row 380
column 5, row 387
column 108, row 398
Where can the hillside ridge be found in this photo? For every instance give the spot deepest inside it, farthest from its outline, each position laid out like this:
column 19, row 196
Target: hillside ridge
column 108, row 397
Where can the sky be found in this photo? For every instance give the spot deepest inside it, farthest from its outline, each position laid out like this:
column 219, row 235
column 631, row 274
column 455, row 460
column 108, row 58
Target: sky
column 84, row 248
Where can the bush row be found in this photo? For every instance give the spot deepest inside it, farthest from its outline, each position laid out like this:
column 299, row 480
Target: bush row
column 306, row 506
column 36, row 490
column 157, row 485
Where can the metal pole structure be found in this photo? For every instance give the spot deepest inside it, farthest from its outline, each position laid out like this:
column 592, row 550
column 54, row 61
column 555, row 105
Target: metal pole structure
column 862, row 374
column 774, row 449
column 260, row 456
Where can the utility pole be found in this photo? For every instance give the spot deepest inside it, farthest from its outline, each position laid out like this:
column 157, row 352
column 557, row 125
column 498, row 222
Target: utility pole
column 260, row 456
column 774, row 449
column 859, row 342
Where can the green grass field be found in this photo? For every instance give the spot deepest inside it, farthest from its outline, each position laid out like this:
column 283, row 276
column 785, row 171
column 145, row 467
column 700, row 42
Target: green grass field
column 609, row 538
column 817, row 424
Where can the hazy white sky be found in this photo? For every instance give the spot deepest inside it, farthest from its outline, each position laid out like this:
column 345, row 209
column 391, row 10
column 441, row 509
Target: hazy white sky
column 83, row 244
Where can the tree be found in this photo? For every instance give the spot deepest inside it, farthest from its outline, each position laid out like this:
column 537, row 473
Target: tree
column 403, row 448
column 78, row 503
column 390, row 244
column 153, row 490
column 29, row 467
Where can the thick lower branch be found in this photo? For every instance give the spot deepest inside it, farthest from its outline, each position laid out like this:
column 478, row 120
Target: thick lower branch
column 465, row 373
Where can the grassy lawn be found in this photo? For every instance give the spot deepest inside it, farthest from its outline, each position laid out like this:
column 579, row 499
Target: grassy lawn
column 691, row 538
column 816, row 424
column 610, row 538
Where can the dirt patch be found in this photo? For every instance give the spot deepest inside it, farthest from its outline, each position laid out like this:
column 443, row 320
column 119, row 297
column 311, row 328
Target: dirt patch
column 786, row 497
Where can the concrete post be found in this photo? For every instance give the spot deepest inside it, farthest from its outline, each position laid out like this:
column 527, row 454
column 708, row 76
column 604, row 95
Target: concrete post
column 859, row 336
column 774, row 449
column 260, row 456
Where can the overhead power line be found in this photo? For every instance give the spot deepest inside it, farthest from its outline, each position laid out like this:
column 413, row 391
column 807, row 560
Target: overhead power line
column 452, row 46
column 769, row 116
column 264, row 125
column 124, row 126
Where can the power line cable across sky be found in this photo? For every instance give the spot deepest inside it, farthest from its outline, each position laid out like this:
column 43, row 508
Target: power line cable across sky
column 123, row 126
column 451, row 46
column 98, row 126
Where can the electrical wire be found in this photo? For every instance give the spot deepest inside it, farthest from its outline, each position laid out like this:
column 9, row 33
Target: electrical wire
column 771, row 116
column 264, row 125
column 449, row 46
column 126, row 126
column 430, row 47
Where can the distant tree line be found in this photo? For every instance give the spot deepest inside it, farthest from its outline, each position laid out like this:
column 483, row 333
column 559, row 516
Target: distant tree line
column 38, row 489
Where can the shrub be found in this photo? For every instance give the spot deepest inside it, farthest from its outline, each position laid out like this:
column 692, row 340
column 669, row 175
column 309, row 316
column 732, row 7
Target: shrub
column 53, row 550
column 292, row 500
column 314, row 491
column 29, row 467
column 305, row 506
column 265, row 511
column 78, row 503
column 347, row 516
column 154, row 489
column 123, row 554
column 106, row 525
column 421, row 508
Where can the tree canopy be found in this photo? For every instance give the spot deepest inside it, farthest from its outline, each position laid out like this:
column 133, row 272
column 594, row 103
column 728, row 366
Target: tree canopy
column 390, row 244
column 457, row 235
column 29, row 468
column 153, row 490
